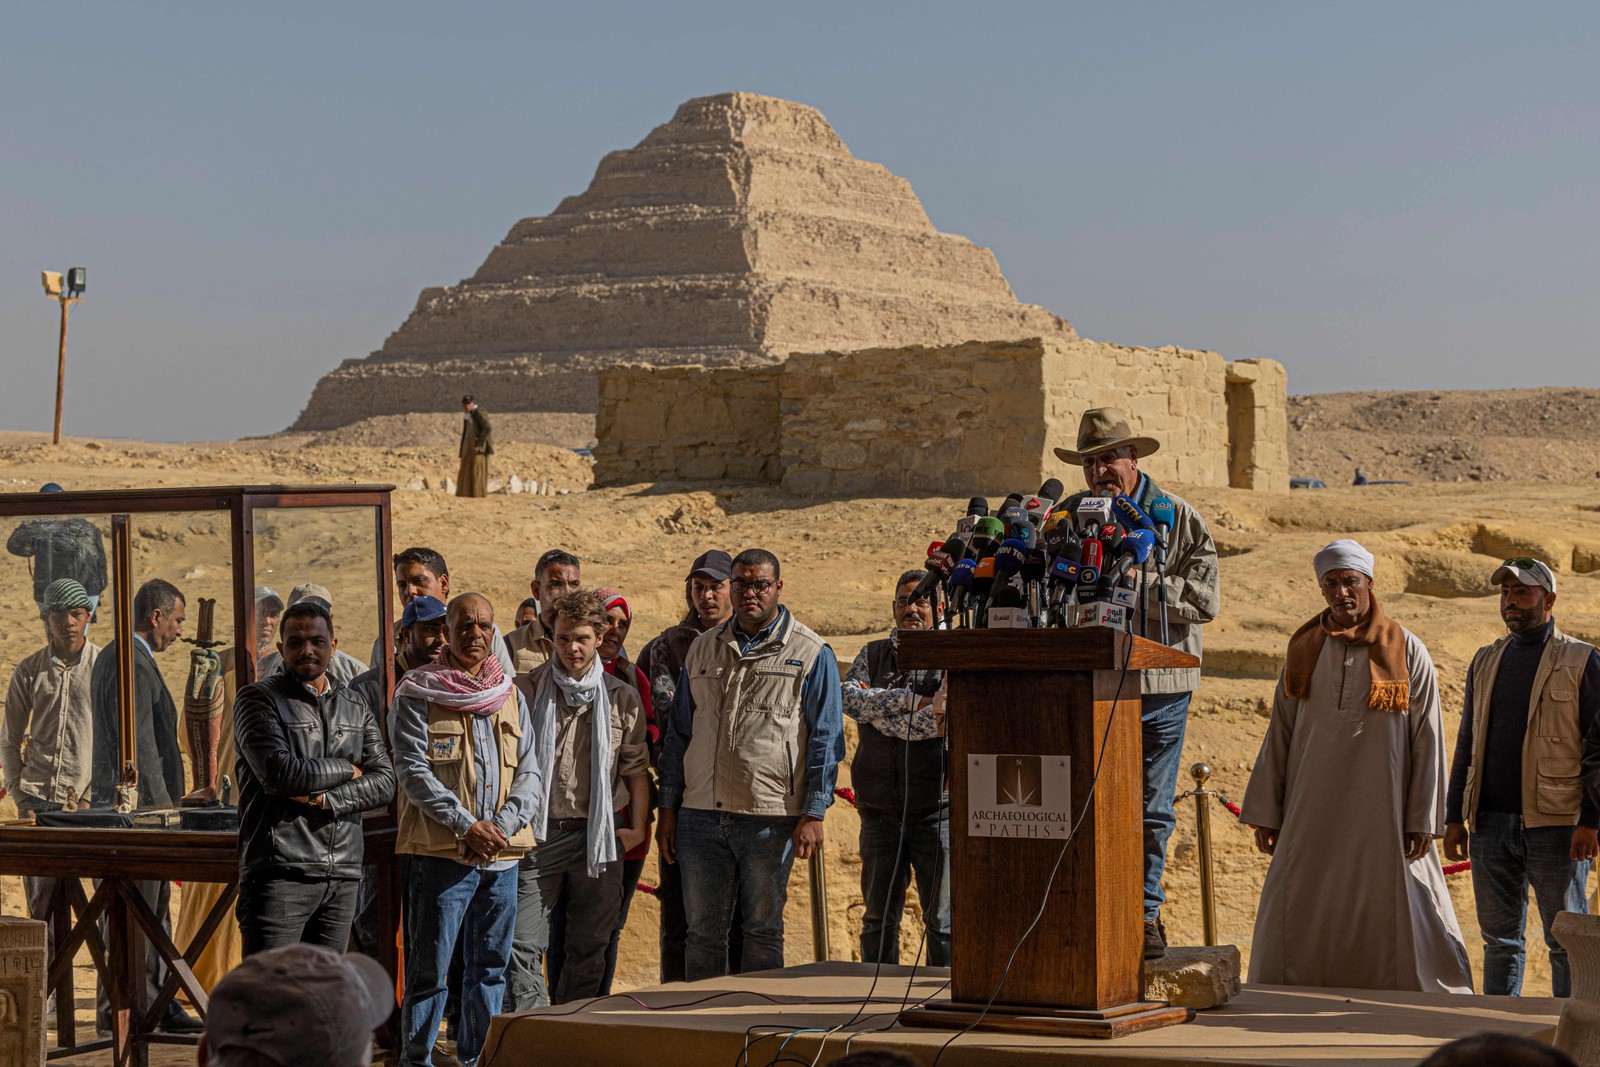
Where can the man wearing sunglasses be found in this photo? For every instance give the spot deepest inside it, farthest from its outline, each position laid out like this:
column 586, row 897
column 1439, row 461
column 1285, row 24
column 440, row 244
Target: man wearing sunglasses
column 751, row 753
column 1517, row 803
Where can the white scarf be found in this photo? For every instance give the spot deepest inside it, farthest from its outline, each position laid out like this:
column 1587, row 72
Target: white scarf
column 555, row 685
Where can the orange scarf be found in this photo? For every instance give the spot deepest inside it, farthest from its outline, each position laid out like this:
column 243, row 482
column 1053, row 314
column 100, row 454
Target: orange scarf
column 1386, row 662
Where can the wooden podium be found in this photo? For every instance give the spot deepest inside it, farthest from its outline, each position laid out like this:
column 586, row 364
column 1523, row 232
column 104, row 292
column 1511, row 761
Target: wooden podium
column 1031, row 713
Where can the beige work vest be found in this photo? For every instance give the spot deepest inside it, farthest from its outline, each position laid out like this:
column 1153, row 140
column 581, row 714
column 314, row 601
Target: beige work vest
column 747, row 755
column 450, row 758
column 1552, row 747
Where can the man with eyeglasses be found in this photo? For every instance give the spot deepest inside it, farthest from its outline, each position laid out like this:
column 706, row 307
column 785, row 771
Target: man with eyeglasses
column 751, row 753
column 898, row 774
column 1517, row 802
column 1109, row 453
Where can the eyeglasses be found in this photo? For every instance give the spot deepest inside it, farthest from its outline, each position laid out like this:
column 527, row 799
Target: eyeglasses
column 1105, row 459
column 758, row 587
column 1522, row 561
column 902, row 602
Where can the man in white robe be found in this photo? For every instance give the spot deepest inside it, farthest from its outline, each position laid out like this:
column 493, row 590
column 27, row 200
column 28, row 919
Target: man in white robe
column 1347, row 796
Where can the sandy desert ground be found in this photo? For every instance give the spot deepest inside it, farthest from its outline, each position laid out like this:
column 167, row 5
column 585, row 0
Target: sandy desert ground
column 1436, row 542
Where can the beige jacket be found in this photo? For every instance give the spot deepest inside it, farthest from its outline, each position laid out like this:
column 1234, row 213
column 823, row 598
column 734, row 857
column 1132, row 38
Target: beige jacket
column 1552, row 748
column 1194, row 594
column 531, row 647
column 569, row 775
column 51, row 701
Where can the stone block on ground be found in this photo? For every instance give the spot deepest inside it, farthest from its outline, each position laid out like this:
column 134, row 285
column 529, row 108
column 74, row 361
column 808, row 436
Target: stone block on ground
column 1578, row 1032
column 1198, row 977
column 22, row 992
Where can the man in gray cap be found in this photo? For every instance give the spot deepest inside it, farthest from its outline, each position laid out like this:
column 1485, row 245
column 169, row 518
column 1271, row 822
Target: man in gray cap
column 50, row 699
column 297, row 1006
column 1109, row 453
column 705, row 588
column 344, row 668
column 1517, row 803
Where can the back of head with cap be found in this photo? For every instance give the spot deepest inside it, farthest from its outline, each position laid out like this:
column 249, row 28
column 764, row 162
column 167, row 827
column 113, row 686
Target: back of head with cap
column 298, row 1006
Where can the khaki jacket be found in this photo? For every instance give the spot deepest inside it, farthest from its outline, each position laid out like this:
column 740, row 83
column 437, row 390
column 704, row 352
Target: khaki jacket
column 748, row 752
column 1552, row 748
column 531, row 647
column 450, row 760
column 1194, row 594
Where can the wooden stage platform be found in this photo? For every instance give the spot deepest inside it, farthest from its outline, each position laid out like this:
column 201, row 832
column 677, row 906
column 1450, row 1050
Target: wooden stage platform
column 782, row 1016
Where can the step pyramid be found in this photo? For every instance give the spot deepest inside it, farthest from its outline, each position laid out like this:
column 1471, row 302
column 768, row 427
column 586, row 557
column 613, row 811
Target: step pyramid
column 738, row 232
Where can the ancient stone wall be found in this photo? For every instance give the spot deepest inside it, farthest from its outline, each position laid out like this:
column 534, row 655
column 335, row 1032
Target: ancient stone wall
column 1258, row 425
column 695, row 424
column 975, row 417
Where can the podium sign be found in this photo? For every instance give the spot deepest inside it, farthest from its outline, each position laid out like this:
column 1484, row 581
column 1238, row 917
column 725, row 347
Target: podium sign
column 1045, row 751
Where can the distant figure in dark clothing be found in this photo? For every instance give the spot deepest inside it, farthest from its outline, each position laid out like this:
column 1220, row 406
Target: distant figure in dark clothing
column 477, row 445
column 1361, row 477
column 62, row 548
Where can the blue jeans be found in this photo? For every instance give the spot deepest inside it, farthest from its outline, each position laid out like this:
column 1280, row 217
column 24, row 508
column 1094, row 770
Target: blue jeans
column 447, row 901
column 1507, row 857
column 887, row 863
column 1162, row 719
column 720, row 854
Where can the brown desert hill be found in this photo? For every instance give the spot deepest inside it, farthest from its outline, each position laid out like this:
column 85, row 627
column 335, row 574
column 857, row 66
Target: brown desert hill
column 1547, row 434
column 1436, row 545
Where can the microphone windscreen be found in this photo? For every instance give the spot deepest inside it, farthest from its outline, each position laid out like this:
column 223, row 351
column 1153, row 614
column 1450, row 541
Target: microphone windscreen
column 961, row 575
column 1162, row 511
column 1052, row 489
column 977, row 506
column 1138, row 544
column 1012, row 500
column 1009, row 558
column 1131, row 514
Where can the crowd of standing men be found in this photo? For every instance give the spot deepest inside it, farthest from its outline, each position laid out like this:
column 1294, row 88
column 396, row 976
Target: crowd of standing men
column 532, row 770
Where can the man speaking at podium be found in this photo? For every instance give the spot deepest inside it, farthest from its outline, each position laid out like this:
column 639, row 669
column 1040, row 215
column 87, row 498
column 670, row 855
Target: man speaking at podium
column 1109, row 453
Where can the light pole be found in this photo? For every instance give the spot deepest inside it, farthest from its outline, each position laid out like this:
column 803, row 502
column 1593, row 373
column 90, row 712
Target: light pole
column 66, row 295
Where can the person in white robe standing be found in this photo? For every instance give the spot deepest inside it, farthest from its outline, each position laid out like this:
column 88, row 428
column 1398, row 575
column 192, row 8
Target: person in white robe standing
column 1347, row 797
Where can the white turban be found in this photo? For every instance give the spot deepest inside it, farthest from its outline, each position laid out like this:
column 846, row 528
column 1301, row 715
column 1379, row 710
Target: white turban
column 1345, row 554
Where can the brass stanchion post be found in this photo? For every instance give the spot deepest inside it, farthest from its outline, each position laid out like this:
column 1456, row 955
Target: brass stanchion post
column 819, row 907
column 1201, row 772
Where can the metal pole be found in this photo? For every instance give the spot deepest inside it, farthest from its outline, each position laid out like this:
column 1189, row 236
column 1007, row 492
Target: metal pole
column 819, row 907
column 1200, row 772
column 61, row 368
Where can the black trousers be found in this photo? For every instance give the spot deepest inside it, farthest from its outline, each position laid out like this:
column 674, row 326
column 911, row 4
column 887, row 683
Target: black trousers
column 281, row 909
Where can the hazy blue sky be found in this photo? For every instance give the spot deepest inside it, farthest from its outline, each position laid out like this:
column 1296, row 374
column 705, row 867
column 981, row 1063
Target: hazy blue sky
column 1379, row 195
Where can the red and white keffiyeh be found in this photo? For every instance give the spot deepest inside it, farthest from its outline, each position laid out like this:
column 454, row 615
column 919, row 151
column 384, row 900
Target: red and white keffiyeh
column 451, row 687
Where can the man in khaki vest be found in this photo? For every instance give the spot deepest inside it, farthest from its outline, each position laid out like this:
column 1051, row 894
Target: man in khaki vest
column 752, row 749
column 1516, row 800
column 555, row 575
column 469, row 788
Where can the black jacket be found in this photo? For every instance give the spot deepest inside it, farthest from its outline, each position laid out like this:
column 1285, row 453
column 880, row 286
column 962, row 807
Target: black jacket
column 155, row 721
column 293, row 743
column 892, row 775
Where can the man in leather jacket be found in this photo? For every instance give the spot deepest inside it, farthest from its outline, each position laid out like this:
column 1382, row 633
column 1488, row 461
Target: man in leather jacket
column 310, row 761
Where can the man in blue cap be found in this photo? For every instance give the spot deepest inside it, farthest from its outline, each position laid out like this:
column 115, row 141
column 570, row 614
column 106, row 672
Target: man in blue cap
column 422, row 638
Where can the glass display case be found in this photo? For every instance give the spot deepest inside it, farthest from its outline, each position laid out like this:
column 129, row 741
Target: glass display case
column 128, row 622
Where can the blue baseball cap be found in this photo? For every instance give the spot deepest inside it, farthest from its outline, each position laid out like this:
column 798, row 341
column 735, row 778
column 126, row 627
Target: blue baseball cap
column 422, row 609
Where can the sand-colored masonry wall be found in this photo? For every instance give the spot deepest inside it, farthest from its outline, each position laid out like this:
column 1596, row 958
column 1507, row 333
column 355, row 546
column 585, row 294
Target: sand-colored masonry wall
column 963, row 418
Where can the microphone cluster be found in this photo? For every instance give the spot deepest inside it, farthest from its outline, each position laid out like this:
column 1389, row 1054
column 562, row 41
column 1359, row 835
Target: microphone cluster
column 1030, row 563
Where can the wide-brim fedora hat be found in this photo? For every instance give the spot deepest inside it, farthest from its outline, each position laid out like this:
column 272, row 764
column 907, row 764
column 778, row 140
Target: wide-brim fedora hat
column 1102, row 429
